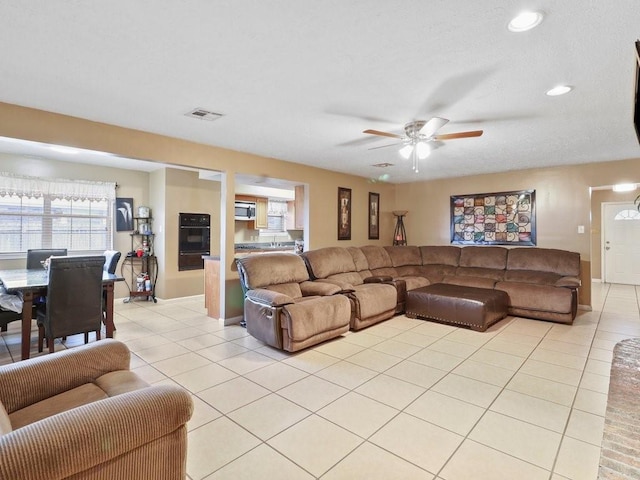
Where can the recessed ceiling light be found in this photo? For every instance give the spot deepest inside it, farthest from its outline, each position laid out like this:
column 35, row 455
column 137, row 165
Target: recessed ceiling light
column 559, row 90
column 525, row 21
column 66, row 150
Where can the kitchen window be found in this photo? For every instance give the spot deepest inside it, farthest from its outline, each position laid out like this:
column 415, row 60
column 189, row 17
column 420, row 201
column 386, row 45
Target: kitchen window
column 55, row 213
column 276, row 218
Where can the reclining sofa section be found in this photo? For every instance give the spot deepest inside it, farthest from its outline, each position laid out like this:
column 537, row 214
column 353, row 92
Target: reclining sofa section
column 293, row 302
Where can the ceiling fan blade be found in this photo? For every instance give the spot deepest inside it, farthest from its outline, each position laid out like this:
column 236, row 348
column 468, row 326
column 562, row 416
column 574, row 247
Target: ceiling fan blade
column 383, row 134
column 433, row 125
column 451, row 136
column 385, row 146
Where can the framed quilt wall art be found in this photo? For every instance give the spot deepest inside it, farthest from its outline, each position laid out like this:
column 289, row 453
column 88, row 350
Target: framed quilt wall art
column 504, row 218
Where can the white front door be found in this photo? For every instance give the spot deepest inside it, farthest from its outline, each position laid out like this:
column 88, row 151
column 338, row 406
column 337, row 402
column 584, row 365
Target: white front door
column 621, row 243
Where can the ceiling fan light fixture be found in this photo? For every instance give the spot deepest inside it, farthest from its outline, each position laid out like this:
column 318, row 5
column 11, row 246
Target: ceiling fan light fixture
column 406, row 151
column 559, row 90
column 422, row 150
column 525, row 21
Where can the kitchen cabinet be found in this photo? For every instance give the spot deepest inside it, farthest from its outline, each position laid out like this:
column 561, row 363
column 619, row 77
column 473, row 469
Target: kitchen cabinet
column 261, row 212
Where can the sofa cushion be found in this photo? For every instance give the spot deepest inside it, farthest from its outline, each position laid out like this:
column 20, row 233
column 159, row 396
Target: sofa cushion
column 479, row 282
column 328, row 261
column 119, row 382
column 530, row 276
column 543, row 298
column 435, row 273
column 350, row 278
column 313, row 316
column 377, row 257
column 385, row 272
column 359, row 258
column 402, row 255
column 492, row 273
column 414, row 282
column 550, row 260
column 87, row 393
column 273, row 268
column 485, row 257
column 440, row 255
column 5, row 422
column 375, row 298
column 290, row 289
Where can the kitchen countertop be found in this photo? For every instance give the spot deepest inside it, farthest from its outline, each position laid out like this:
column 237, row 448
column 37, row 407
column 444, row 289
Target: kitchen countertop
column 248, row 248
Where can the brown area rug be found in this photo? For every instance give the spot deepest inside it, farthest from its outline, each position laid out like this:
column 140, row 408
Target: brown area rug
column 620, row 454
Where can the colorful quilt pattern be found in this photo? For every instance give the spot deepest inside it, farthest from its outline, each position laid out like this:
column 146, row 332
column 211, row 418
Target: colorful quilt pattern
column 506, row 218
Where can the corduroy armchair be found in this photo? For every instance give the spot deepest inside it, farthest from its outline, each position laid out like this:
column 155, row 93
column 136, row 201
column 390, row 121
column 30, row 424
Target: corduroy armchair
column 82, row 414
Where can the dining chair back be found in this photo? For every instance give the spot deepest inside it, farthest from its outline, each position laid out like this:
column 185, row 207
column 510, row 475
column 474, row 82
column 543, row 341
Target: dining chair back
column 74, row 299
column 36, row 256
column 112, row 257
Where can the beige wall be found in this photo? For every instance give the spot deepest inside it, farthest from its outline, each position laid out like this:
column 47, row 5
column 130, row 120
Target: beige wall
column 562, row 193
column 40, row 126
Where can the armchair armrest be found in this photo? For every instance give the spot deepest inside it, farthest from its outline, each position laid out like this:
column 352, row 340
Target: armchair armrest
column 25, row 383
column 379, row 279
column 344, row 286
column 101, row 430
column 309, row 288
column 571, row 282
column 269, row 297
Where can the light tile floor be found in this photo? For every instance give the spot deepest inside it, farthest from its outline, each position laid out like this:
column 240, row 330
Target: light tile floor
column 402, row 399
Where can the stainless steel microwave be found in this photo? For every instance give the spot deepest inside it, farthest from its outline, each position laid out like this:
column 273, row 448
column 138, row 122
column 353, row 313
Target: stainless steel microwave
column 245, row 211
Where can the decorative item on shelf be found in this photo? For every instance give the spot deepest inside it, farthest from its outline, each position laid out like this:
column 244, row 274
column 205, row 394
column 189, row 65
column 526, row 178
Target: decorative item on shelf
column 400, row 235
column 144, row 212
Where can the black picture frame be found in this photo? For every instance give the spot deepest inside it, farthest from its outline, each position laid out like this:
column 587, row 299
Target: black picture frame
column 124, row 214
column 374, row 216
column 344, row 213
column 503, row 218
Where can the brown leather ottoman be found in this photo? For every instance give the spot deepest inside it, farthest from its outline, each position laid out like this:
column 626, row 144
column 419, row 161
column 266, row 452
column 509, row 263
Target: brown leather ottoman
column 476, row 308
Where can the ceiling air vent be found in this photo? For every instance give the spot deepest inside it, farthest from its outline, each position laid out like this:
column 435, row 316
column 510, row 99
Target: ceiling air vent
column 202, row 114
column 383, row 165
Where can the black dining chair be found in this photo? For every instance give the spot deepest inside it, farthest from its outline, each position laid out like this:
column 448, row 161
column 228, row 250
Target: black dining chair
column 36, row 256
column 74, row 299
column 112, row 257
column 6, row 317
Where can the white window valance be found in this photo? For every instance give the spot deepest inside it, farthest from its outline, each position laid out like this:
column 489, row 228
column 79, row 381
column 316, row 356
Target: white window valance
column 11, row 184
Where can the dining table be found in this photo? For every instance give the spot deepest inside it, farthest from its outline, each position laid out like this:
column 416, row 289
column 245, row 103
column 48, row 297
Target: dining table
column 31, row 284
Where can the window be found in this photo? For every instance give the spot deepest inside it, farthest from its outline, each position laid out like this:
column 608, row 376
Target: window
column 276, row 218
column 55, row 213
column 628, row 215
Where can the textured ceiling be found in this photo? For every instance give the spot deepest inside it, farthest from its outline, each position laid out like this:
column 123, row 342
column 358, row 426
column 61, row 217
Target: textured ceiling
column 300, row 80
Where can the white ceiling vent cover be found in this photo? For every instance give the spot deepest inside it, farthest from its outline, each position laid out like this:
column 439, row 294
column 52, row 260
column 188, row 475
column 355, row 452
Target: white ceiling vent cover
column 202, row 114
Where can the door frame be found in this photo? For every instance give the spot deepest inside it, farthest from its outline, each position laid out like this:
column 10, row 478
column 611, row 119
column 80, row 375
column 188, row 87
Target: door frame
column 603, row 263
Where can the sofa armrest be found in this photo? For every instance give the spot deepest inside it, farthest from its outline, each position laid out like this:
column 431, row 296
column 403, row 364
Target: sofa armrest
column 25, row 383
column 570, row 282
column 269, row 297
column 379, row 279
column 310, row 288
column 344, row 286
column 101, row 430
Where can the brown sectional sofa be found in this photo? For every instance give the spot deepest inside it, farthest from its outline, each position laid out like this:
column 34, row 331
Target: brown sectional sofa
column 541, row 283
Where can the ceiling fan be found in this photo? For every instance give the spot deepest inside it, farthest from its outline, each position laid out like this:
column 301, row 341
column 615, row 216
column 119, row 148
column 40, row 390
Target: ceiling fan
column 417, row 136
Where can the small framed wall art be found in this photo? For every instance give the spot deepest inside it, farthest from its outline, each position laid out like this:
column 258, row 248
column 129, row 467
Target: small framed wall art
column 374, row 216
column 124, row 214
column 504, row 218
column 344, row 213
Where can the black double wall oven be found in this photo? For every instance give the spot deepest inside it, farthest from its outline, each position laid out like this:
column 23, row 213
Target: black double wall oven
column 194, row 240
